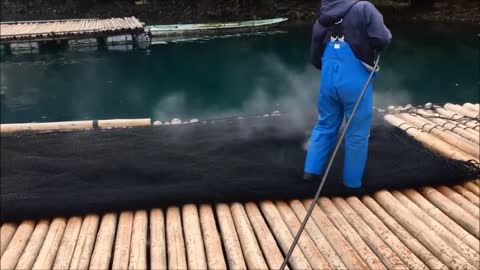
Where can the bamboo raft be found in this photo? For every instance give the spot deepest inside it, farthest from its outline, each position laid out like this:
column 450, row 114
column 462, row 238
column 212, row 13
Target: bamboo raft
column 67, row 29
column 427, row 228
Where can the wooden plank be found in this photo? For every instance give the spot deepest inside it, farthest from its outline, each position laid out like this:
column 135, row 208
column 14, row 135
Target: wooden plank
column 85, row 243
column 421, row 231
column 283, row 236
column 6, row 233
column 269, row 246
column 350, row 234
column 193, row 237
column 175, row 243
column 346, row 252
column 33, row 247
column 158, row 251
column 213, row 246
column 17, row 245
column 411, row 242
column 138, row 250
column 67, row 245
column 121, row 252
column 313, row 254
column 230, row 239
column 381, row 249
column 102, row 252
column 250, row 247
column 48, row 251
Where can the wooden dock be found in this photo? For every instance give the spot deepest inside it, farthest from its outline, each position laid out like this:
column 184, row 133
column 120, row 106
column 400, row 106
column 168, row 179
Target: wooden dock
column 426, row 228
column 68, row 29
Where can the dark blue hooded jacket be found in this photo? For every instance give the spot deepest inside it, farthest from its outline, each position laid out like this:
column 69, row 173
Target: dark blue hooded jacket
column 362, row 27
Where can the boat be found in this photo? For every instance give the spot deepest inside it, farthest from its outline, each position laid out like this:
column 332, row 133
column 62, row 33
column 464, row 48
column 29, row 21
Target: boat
column 192, row 29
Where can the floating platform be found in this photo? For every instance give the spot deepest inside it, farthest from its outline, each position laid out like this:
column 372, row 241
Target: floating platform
column 426, row 228
column 11, row 32
column 202, row 28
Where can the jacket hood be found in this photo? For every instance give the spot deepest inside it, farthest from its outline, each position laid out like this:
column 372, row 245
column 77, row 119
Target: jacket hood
column 331, row 11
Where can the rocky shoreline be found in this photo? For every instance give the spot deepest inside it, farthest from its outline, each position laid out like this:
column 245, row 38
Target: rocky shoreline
column 186, row 11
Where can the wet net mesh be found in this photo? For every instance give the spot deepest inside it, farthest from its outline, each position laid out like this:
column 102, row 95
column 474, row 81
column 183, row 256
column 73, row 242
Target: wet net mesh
column 240, row 159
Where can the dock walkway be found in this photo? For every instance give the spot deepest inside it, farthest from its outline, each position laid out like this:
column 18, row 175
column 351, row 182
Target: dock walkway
column 29, row 31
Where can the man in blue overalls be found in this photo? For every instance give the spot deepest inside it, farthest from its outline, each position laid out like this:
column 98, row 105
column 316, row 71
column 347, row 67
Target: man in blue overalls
column 346, row 38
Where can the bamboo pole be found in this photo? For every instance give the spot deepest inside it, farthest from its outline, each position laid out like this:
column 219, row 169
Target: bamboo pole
column 452, row 240
column 251, row 248
column 443, row 134
column 118, row 123
column 421, row 231
column 429, row 140
column 74, row 125
column 472, row 187
column 314, row 256
column 158, row 252
column 67, row 245
column 33, row 246
column 468, row 195
column 17, row 245
column 382, row 250
column 6, row 233
column 411, row 242
column 458, row 117
column 50, row 246
column 175, row 244
column 85, row 243
column 102, row 252
column 407, row 256
column 213, row 246
column 350, row 234
column 317, row 236
column 193, row 238
column 49, row 126
column 472, row 107
column 138, row 247
column 267, row 242
column 461, row 110
column 283, row 236
column 453, row 116
column 460, row 201
column 464, row 219
column 230, row 239
column 346, row 252
column 464, row 131
column 121, row 252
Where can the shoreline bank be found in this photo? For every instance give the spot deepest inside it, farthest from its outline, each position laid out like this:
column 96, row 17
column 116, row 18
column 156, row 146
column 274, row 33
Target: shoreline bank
column 174, row 12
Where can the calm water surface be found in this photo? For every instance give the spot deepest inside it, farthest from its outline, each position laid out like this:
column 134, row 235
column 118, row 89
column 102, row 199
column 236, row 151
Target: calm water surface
column 229, row 76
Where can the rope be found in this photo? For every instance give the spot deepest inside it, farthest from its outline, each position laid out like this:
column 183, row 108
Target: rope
column 330, row 162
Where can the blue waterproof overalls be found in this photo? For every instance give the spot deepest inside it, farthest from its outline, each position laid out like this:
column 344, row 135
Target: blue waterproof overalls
column 343, row 76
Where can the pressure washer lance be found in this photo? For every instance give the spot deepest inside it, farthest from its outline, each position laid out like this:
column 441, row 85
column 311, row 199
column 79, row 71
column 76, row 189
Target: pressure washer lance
column 327, row 170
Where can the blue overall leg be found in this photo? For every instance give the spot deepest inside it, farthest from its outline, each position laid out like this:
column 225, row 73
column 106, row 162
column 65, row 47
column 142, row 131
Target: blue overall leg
column 343, row 77
column 356, row 137
column 330, row 116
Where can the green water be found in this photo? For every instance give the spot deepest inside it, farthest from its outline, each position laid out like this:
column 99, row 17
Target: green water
column 229, row 76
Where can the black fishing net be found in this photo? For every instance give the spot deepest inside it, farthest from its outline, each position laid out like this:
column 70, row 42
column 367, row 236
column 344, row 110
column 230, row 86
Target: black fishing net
column 241, row 159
